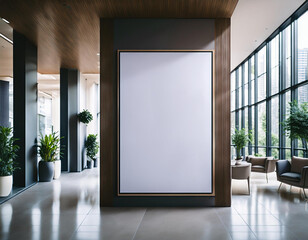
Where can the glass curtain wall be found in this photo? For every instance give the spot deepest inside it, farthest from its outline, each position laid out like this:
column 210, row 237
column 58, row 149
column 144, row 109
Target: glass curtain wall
column 264, row 84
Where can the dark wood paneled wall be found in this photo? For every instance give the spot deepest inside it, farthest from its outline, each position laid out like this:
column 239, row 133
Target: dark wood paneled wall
column 222, row 113
column 108, row 113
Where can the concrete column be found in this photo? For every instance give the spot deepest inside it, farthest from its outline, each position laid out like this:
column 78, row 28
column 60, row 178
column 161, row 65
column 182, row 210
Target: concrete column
column 25, row 109
column 4, row 103
column 69, row 124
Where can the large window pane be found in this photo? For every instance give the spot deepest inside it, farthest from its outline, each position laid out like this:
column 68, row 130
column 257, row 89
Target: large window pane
column 245, row 95
column 302, row 97
column 240, row 83
column 303, row 94
column 287, row 49
column 262, row 74
column 44, row 114
column 287, row 111
column 240, row 97
column 275, row 153
column 252, row 67
column 246, row 72
column 253, row 125
column 233, row 81
column 240, row 119
column 232, row 100
column 261, row 152
column 233, row 86
column 274, row 78
column 262, row 124
column 262, row 61
column 252, row 92
column 288, row 154
column 261, row 87
column 245, row 78
column 252, row 79
column 302, row 47
column 232, row 121
column 275, row 121
column 246, row 120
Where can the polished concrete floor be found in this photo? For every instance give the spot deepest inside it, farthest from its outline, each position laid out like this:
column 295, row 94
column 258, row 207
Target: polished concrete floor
column 68, row 209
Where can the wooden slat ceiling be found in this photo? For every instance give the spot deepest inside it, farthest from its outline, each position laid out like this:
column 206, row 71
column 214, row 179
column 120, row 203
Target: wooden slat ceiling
column 67, row 32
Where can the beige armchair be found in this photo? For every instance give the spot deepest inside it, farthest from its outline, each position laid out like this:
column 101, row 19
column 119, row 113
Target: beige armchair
column 262, row 164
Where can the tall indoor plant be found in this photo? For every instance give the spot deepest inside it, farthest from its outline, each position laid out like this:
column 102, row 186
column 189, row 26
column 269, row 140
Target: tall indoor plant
column 49, row 151
column 8, row 153
column 239, row 139
column 296, row 124
column 92, row 149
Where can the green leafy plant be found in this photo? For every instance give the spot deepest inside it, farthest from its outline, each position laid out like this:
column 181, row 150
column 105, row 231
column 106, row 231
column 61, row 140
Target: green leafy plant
column 91, row 146
column 85, row 116
column 8, row 152
column 239, row 139
column 296, row 124
column 49, row 147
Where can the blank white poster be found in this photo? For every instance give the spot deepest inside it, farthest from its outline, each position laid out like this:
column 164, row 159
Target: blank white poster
column 165, row 128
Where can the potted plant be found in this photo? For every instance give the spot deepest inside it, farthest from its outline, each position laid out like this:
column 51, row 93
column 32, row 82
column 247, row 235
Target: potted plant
column 85, row 117
column 92, row 149
column 239, row 139
column 8, row 153
column 296, row 124
column 49, row 151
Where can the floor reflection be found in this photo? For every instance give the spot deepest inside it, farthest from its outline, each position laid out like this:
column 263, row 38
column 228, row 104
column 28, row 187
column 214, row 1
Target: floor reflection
column 68, row 209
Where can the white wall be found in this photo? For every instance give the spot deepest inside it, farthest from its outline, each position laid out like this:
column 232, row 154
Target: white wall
column 55, row 108
column 92, row 99
column 88, row 100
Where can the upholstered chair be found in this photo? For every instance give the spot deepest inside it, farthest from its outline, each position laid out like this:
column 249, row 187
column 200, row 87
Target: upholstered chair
column 294, row 173
column 262, row 164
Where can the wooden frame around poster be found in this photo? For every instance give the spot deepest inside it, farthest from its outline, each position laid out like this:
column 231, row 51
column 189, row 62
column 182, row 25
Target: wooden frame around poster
column 213, row 127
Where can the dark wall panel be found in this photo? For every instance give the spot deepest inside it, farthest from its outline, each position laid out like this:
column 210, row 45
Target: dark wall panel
column 173, row 34
column 4, row 103
column 25, row 109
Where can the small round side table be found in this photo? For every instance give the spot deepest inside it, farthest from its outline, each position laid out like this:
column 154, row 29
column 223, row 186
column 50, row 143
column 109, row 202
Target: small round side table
column 242, row 171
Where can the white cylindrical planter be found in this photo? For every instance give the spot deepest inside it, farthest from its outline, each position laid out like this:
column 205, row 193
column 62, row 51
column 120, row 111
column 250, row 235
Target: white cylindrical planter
column 57, row 169
column 5, row 185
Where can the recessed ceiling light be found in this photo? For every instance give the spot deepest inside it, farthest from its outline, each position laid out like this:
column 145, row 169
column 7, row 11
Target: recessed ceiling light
column 5, row 20
column 7, row 39
column 97, row 54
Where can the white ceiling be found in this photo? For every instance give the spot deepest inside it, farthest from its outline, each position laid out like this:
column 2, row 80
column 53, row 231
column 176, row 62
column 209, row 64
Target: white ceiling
column 255, row 20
